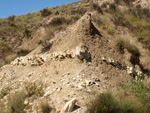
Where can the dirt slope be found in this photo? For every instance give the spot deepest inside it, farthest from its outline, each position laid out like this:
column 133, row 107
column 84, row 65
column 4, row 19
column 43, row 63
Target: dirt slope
column 70, row 77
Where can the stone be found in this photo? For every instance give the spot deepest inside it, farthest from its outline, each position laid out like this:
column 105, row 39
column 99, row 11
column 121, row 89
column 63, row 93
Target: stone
column 69, row 106
column 47, row 93
column 83, row 53
column 26, row 102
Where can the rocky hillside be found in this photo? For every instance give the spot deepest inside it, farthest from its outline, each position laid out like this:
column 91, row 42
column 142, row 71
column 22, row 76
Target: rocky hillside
column 62, row 58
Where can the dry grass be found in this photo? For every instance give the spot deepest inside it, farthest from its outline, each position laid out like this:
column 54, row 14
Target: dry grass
column 16, row 103
column 4, row 91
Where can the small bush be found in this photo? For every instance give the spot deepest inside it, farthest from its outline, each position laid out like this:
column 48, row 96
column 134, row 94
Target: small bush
column 57, row 21
column 45, row 108
column 34, row 89
column 120, row 45
column 112, row 6
column 45, row 12
column 27, row 32
column 97, row 8
column 23, row 52
column 11, row 18
column 104, row 5
column 106, row 103
column 16, row 103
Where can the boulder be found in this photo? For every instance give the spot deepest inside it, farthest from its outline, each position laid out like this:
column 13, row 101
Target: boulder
column 83, row 53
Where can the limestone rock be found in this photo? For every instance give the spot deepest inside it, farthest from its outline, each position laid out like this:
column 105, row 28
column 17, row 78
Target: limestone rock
column 69, row 106
column 83, row 53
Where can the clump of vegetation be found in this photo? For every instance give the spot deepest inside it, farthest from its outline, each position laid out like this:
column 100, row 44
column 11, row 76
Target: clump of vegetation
column 122, row 44
column 141, row 89
column 45, row 107
column 112, row 7
column 107, row 103
column 27, row 32
column 16, row 103
column 23, row 52
column 11, row 18
column 57, row 21
column 45, row 12
column 34, row 89
column 97, row 8
column 104, row 5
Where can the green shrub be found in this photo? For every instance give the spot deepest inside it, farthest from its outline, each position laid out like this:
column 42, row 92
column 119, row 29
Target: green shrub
column 34, row 89
column 106, row 103
column 27, row 32
column 16, row 103
column 45, row 12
